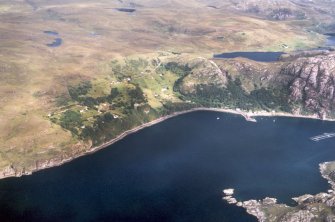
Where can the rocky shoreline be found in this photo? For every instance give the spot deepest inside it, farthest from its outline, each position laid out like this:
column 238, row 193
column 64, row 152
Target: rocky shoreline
column 10, row 171
column 309, row 208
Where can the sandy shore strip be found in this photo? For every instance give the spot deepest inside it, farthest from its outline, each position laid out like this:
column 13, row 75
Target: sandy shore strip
column 249, row 116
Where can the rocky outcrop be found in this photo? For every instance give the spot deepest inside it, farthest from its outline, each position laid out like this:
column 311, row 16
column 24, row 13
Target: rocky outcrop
column 229, row 196
column 309, row 53
column 301, row 216
column 8, row 171
column 13, row 171
column 253, row 207
column 313, row 82
column 78, row 150
column 285, row 14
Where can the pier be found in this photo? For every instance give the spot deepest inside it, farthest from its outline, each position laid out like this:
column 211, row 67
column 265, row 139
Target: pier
column 322, row 136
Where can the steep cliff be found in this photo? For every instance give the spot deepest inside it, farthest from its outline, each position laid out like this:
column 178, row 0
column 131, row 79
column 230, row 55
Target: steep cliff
column 313, row 83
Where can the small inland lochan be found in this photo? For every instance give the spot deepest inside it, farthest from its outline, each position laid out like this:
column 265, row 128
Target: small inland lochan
column 56, row 42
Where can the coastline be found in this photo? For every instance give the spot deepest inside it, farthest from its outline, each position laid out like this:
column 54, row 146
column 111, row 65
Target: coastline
column 249, row 116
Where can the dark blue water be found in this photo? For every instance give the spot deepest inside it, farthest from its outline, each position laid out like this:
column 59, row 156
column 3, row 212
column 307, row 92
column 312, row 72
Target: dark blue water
column 56, row 43
column 256, row 56
column 130, row 10
column 176, row 170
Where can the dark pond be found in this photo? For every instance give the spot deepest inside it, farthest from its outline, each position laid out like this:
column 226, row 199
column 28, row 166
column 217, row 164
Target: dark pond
column 56, row 42
column 256, row 56
column 126, row 9
column 51, row 33
column 175, row 171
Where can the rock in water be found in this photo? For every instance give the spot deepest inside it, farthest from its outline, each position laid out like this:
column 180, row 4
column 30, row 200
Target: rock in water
column 228, row 192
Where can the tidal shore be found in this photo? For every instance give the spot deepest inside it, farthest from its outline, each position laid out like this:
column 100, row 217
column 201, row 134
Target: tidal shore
column 44, row 164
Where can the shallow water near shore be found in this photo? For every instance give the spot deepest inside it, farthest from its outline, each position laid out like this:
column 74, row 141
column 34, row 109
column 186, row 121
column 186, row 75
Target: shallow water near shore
column 176, row 170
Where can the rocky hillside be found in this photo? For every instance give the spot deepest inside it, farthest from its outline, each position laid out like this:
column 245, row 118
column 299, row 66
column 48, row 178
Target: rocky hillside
column 301, row 82
column 313, row 83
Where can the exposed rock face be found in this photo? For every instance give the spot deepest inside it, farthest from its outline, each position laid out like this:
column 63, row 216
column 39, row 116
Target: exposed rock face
column 309, row 53
column 79, row 149
column 8, row 171
column 313, row 82
column 301, row 216
column 286, row 13
column 307, row 198
column 253, row 207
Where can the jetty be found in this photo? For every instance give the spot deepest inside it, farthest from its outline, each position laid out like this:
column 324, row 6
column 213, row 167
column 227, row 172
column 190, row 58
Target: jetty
column 322, row 136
